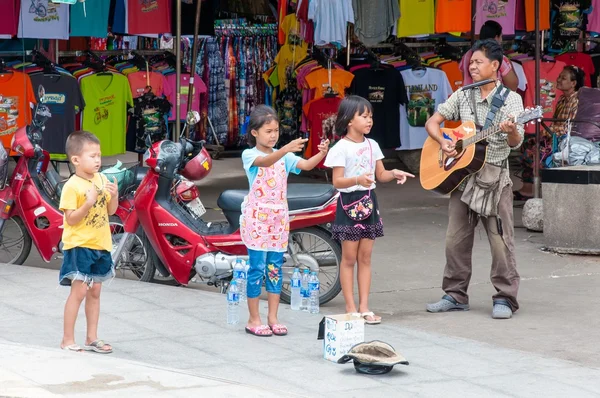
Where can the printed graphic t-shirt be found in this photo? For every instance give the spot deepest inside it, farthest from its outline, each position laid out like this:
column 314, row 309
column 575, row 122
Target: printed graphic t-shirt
column 44, row 20
column 502, row 12
column 319, row 80
column 93, row 231
column 107, row 98
column 321, row 113
column 453, row 16
column 16, row 95
column 286, row 59
column 148, row 16
column 62, row 95
column 385, row 90
column 94, row 23
column 357, row 158
column 416, row 18
column 157, row 81
column 549, row 94
column 426, row 90
column 9, row 17
column 199, row 89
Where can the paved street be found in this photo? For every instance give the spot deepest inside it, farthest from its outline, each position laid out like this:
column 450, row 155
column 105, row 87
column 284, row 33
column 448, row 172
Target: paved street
column 548, row 349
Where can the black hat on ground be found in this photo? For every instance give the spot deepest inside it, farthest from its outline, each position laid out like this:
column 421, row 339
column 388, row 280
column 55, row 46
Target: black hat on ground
column 373, row 357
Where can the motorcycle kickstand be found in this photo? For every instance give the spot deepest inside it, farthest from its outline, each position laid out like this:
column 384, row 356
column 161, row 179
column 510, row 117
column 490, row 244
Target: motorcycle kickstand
column 117, row 253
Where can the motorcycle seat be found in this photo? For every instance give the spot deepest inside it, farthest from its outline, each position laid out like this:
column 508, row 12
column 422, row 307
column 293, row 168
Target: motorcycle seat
column 300, row 196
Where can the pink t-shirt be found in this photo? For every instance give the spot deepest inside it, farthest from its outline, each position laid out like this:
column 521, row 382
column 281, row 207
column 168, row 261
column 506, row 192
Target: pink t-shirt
column 594, row 17
column 199, row 89
column 520, row 20
column 464, row 68
column 139, row 80
column 502, row 12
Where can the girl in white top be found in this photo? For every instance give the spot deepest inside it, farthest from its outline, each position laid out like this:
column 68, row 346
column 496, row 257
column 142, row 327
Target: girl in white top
column 357, row 163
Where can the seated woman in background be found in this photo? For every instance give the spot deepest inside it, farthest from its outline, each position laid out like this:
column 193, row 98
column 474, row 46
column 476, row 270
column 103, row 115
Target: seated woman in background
column 569, row 82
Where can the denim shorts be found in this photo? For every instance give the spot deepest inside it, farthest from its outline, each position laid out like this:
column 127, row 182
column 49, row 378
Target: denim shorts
column 87, row 265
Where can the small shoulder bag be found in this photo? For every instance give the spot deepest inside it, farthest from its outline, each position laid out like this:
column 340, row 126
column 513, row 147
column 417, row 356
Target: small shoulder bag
column 362, row 208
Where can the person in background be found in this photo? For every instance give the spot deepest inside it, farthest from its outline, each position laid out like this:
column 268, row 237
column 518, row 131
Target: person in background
column 570, row 80
column 506, row 73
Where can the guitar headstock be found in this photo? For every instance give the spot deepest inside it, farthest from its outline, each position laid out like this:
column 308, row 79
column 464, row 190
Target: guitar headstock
column 530, row 115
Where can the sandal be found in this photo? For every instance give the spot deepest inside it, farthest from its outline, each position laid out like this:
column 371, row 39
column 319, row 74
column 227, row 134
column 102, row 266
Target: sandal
column 260, row 331
column 98, row 346
column 72, row 347
column 375, row 320
column 279, row 329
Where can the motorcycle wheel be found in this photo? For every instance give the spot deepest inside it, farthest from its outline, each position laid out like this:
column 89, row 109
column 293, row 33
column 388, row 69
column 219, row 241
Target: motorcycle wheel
column 15, row 244
column 327, row 252
column 136, row 253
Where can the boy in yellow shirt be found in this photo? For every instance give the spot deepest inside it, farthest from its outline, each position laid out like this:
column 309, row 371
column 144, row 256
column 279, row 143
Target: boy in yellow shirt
column 87, row 199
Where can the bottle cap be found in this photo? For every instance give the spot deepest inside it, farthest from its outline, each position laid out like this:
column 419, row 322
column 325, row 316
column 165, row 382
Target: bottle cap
column 306, row 271
column 233, row 282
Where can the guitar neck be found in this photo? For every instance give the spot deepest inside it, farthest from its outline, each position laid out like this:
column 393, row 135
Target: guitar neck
column 482, row 135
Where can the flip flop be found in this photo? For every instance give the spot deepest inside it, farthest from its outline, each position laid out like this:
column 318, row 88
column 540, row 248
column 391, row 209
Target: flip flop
column 98, row 346
column 260, row 331
column 370, row 314
column 72, row 347
column 279, row 329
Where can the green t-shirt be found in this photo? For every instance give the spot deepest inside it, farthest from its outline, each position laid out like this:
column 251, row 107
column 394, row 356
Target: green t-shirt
column 107, row 97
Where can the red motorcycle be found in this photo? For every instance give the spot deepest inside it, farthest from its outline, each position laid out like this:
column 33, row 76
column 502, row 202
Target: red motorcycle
column 29, row 202
column 180, row 244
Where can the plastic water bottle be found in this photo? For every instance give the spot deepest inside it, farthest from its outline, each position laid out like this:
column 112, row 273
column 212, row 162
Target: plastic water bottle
column 240, row 276
column 313, row 291
column 304, row 291
column 296, row 290
column 233, row 304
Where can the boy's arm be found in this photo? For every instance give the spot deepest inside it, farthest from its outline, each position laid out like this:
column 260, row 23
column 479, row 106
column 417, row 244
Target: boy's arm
column 73, row 217
column 113, row 190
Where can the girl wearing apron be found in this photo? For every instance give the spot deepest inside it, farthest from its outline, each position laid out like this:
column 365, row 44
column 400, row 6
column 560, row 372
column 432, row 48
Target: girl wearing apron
column 264, row 224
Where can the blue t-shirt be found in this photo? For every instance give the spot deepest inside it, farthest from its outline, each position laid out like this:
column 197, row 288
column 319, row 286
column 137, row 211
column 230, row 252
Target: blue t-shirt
column 250, row 155
column 95, row 21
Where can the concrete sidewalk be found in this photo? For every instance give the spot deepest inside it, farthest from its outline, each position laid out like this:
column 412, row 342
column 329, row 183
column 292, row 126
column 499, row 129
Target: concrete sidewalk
column 185, row 329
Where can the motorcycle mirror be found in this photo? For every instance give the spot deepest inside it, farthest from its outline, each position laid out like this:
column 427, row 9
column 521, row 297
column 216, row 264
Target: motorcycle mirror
column 148, row 141
column 192, row 118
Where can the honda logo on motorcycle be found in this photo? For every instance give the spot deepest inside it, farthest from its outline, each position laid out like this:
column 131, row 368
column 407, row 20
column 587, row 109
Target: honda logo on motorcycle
column 167, row 224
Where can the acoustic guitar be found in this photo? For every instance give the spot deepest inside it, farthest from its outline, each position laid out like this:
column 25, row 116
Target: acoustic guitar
column 444, row 174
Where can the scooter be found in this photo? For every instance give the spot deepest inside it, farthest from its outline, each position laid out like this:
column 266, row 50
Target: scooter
column 182, row 245
column 29, row 201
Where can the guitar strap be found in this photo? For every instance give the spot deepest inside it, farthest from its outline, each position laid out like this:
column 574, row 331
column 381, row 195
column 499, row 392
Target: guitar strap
column 497, row 103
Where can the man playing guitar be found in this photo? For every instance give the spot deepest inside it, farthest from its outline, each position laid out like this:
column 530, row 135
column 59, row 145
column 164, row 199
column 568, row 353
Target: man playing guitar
column 474, row 105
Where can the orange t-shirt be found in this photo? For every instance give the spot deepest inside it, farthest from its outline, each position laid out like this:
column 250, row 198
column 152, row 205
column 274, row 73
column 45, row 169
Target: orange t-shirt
column 544, row 15
column 319, row 80
column 16, row 93
column 455, row 77
column 453, row 16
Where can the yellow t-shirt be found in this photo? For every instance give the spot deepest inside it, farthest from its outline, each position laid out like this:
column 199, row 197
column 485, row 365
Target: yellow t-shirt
column 93, row 231
column 416, row 18
column 287, row 58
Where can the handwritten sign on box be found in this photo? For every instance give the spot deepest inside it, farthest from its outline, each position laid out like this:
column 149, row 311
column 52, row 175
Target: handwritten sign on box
column 342, row 332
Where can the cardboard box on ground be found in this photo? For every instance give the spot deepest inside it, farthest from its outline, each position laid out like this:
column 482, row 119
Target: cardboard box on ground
column 340, row 333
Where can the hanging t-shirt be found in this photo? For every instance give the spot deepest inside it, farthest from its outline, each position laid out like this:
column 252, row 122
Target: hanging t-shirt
column 384, row 89
column 455, row 78
column 291, row 28
column 62, row 95
column 287, row 58
column 320, row 79
column 149, row 119
column 520, row 20
column 453, row 16
column 544, row 14
column 94, row 23
column 107, row 97
column 138, row 81
column 9, row 17
column 594, row 17
column 426, row 90
column 567, row 23
column 321, row 117
column 502, row 11
column 42, row 19
column 148, row 16
column 331, row 19
column 374, row 19
column 416, row 18
column 16, row 95
column 119, row 21
column 199, row 89
column 549, row 94
column 582, row 61
column 596, row 75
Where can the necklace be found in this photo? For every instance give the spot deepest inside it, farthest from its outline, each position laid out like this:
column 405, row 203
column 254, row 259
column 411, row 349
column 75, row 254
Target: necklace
column 356, row 142
column 99, row 190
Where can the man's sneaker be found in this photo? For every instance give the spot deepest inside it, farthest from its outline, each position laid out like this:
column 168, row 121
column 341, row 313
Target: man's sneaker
column 447, row 303
column 501, row 310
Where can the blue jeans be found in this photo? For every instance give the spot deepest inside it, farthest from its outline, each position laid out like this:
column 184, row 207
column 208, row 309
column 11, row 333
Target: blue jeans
column 264, row 264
